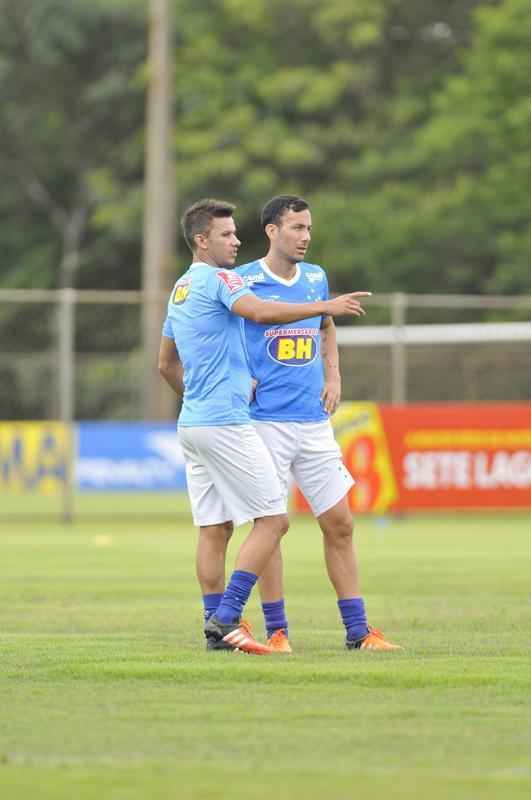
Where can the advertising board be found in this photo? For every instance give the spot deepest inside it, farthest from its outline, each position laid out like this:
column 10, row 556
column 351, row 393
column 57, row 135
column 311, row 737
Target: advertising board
column 34, row 457
column 129, row 457
column 454, row 456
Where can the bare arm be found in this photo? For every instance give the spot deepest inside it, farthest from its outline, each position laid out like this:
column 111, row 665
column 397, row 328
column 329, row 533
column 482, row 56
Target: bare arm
column 267, row 311
column 170, row 366
column 331, row 394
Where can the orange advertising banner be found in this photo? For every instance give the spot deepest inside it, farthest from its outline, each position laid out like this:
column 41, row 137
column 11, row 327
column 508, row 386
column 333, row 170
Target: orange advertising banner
column 437, row 456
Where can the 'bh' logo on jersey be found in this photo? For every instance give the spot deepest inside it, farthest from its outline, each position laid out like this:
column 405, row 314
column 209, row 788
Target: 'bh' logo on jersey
column 296, row 350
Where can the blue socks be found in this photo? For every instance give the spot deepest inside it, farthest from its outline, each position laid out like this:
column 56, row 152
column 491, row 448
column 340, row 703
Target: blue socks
column 229, row 606
column 354, row 618
column 236, row 595
column 275, row 617
column 210, row 603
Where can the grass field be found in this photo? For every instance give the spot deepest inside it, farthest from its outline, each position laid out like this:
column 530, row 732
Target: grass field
column 106, row 691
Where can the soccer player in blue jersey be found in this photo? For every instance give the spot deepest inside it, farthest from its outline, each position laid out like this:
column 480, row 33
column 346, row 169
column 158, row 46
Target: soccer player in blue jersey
column 230, row 474
column 298, row 386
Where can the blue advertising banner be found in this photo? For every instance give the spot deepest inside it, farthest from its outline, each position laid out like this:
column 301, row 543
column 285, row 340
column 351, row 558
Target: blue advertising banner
column 129, row 456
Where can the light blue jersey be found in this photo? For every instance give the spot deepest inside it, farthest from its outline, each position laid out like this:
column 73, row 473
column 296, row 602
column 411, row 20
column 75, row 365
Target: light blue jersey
column 210, row 343
column 286, row 359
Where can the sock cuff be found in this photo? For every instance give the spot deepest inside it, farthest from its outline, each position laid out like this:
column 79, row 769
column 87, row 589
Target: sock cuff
column 350, row 602
column 246, row 576
column 274, row 605
column 212, row 596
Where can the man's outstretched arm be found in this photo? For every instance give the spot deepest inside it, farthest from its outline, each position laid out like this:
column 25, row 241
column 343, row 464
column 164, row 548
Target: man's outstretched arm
column 268, row 312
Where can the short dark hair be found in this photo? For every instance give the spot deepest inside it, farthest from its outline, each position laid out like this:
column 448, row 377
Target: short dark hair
column 198, row 217
column 274, row 210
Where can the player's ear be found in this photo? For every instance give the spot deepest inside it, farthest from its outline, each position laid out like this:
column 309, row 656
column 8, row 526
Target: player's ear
column 199, row 241
column 271, row 230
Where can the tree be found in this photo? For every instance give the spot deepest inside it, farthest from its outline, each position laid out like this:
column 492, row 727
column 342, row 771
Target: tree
column 70, row 136
column 319, row 99
column 336, row 101
column 477, row 151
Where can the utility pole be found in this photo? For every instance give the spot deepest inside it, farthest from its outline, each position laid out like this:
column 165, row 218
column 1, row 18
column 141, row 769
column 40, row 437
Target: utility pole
column 159, row 207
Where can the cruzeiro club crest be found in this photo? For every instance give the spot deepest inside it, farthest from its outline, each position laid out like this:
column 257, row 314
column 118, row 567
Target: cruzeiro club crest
column 292, row 347
column 182, row 289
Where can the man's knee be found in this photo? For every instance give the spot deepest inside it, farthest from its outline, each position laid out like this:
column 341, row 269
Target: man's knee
column 278, row 525
column 283, row 525
column 339, row 531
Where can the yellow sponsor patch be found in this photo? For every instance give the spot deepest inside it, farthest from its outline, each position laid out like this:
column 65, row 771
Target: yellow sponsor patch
column 180, row 293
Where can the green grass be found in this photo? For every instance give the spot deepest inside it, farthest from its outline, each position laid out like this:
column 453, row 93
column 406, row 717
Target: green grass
column 106, row 691
column 15, row 506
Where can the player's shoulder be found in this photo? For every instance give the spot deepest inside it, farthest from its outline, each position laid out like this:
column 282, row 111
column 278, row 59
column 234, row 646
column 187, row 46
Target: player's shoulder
column 180, row 290
column 207, row 277
column 193, row 271
column 230, row 278
column 250, row 266
column 313, row 273
column 196, row 275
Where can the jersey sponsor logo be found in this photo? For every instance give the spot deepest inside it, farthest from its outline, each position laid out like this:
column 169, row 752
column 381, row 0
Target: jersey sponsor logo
column 296, row 350
column 232, row 280
column 313, row 277
column 258, row 277
column 272, row 333
column 181, row 291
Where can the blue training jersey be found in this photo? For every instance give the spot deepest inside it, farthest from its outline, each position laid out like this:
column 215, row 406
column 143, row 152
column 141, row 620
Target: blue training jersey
column 210, row 343
column 286, row 359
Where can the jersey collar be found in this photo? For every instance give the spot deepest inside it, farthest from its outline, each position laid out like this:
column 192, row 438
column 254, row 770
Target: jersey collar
column 283, row 281
column 196, row 264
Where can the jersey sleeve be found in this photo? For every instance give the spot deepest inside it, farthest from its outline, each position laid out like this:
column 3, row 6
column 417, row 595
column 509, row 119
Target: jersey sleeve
column 167, row 329
column 226, row 286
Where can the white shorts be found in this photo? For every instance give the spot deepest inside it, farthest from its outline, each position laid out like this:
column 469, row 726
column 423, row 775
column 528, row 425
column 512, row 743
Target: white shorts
column 309, row 451
column 230, row 475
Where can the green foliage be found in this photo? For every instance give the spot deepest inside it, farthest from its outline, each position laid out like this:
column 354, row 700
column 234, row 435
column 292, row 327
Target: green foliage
column 476, row 149
column 406, row 126
column 320, row 99
column 71, row 113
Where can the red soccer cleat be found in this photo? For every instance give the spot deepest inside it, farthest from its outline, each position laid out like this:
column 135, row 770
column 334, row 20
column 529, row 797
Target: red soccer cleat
column 234, row 636
column 374, row 640
column 279, row 642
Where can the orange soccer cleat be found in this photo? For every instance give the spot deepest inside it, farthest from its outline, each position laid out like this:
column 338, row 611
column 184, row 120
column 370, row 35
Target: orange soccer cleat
column 374, row 640
column 279, row 642
column 233, row 636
